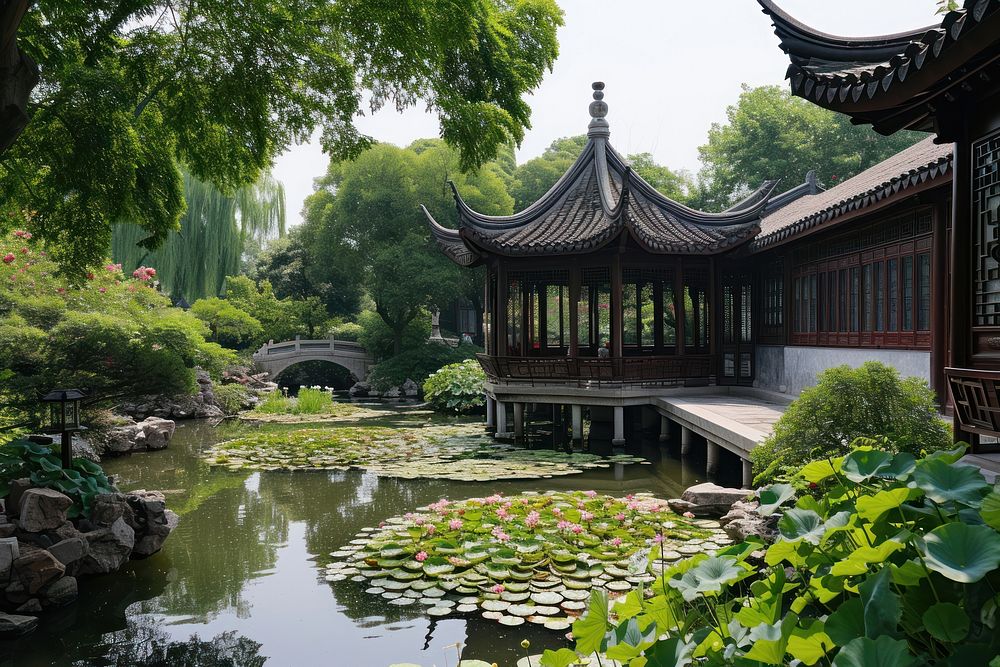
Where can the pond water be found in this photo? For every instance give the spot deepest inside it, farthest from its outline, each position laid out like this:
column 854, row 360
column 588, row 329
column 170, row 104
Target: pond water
column 241, row 580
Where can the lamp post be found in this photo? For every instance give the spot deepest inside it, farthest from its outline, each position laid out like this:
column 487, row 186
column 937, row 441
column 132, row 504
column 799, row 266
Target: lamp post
column 64, row 418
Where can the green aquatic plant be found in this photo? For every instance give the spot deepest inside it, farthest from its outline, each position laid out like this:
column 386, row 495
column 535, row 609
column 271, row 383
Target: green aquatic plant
column 532, row 557
column 312, row 401
column 461, row 453
column 82, row 482
column 889, row 560
column 457, row 388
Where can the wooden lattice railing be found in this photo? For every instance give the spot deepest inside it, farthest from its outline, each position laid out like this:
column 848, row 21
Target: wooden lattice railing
column 588, row 371
column 976, row 396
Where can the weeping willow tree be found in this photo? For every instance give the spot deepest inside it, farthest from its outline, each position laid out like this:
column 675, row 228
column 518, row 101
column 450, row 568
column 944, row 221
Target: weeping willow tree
column 194, row 261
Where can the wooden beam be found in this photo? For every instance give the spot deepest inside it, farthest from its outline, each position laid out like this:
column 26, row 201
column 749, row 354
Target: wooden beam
column 939, row 321
column 961, row 259
column 679, row 304
column 574, row 312
column 500, row 348
column 617, row 307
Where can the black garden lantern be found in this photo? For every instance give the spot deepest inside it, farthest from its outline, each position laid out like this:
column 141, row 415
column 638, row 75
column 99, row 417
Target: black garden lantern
column 64, row 418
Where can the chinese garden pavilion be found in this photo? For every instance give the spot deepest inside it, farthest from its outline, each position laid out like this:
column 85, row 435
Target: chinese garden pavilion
column 604, row 260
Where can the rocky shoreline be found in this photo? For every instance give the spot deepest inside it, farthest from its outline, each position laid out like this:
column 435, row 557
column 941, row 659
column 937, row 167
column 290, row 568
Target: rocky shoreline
column 43, row 552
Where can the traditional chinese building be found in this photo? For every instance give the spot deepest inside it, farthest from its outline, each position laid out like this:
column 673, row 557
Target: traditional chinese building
column 943, row 79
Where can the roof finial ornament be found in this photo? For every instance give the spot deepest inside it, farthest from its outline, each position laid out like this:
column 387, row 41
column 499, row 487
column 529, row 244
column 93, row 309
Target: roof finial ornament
column 598, row 127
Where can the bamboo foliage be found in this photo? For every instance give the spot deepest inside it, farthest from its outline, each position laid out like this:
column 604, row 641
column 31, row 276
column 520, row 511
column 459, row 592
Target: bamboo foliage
column 194, row 261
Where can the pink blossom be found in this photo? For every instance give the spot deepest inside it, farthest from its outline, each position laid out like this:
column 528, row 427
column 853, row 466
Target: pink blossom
column 620, row 516
column 381, row 524
column 90, row 275
column 563, row 525
column 111, row 268
column 580, row 505
column 492, row 500
column 590, row 494
column 21, row 234
column 498, row 589
column 615, row 541
column 503, row 514
column 586, row 516
column 455, row 524
column 419, row 520
column 8, row 258
column 633, row 505
column 421, row 556
column 25, row 251
column 144, row 273
column 576, row 528
column 102, row 290
column 498, row 533
column 658, row 539
column 532, row 519
column 431, row 528
column 688, row 515
column 556, row 511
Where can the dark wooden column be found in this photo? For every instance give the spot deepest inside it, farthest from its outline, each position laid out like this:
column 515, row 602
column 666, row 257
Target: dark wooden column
column 679, row 304
column 939, row 283
column 961, row 260
column 574, row 312
column 617, row 307
column 658, row 316
column 526, row 318
column 713, row 306
column 488, row 309
column 500, row 314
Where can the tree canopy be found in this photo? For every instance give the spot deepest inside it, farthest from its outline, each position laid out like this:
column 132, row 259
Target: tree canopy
column 769, row 134
column 130, row 90
column 364, row 224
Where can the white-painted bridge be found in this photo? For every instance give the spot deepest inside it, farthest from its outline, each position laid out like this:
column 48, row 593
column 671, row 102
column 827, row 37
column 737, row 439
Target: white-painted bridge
column 276, row 357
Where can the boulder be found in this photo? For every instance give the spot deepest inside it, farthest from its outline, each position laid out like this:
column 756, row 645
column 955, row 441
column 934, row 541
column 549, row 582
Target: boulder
column 152, row 522
column 62, row 591
column 69, row 550
column 84, row 449
column 742, row 521
column 36, row 568
column 410, row 388
column 43, row 509
column 109, row 548
column 360, row 390
column 107, row 508
column 16, row 593
column 708, row 499
column 14, row 625
column 17, row 489
column 155, row 432
column 9, row 552
column 392, row 392
column 32, row 606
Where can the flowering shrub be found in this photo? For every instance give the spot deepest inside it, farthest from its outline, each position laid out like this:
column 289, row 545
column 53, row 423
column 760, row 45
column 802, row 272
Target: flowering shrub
column 457, row 388
column 102, row 332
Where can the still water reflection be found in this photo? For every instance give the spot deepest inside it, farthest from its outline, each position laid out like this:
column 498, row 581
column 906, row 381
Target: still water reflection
column 240, row 582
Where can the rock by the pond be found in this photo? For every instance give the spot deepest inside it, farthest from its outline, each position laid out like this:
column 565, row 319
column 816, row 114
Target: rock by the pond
column 392, row 392
column 32, row 606
column 152, row 433
column 81, row 447
column 151, row 521
column 742, row 521
column 360, row 390
column 69, row 550
column 15, row 625
column 43, row 509
column 109, row 548
column 7, row 528
column 62, row 591
column 9, row 552
column 707, row 499
column 37, row 567
column 410, row 388
column 107, row 508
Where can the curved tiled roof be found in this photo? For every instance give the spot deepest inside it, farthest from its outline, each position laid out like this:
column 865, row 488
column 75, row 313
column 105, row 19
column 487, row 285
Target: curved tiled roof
column 889, row 80
column 596, row 200
column 921, row 162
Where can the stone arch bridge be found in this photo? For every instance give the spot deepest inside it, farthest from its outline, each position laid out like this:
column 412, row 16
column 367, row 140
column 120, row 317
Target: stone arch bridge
column 276, row 357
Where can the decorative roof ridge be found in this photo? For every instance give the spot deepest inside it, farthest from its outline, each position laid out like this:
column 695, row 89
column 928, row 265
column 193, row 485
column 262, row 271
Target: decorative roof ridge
column 810, row 186
column 904, row 180
column 879, row 48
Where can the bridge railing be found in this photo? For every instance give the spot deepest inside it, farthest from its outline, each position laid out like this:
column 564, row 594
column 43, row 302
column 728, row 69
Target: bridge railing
column 299, row 346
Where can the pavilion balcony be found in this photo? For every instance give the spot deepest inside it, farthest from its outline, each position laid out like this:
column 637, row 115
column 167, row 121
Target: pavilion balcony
column 691, row 370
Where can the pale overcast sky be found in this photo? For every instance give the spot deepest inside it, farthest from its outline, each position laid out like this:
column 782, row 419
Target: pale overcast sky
column 671, row 68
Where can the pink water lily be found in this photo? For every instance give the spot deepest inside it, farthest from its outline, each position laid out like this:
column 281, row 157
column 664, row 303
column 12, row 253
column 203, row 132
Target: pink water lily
column 455, row 524
column 421, row 556
column 498, row 589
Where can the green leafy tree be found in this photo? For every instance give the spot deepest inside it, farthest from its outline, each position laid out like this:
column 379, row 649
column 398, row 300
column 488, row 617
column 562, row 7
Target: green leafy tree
column 228, row 324
column 770, row 134
column 365, row 215
column 129, row 90
column 871, row 401
column 214, row 231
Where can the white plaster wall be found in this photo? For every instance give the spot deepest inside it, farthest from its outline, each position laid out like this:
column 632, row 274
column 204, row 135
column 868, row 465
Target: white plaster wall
column 795, row 368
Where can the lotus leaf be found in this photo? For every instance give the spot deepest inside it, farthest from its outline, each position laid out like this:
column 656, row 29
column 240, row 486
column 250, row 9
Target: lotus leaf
column 862, row 464
column 881, row 652
column 774, row 496
column 437, row 566
column 961, row 552
column 943, row 482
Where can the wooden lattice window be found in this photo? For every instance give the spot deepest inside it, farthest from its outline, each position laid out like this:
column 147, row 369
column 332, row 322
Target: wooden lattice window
column 986, row 217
